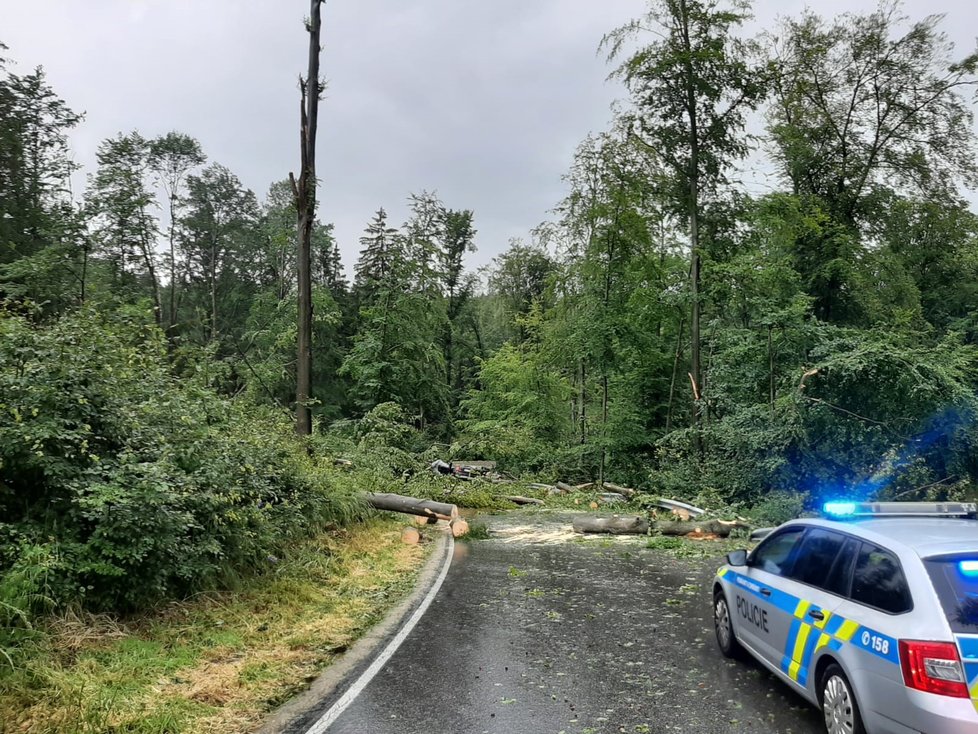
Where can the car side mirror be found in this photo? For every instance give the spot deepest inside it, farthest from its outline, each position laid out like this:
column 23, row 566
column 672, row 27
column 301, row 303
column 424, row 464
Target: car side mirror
column 737, row 558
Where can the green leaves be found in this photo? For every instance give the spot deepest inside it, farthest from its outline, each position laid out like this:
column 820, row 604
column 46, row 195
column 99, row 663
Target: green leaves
column 143, row 486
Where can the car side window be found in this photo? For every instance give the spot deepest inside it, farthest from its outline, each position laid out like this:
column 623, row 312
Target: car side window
column 816, row 557
column 839, row 578
column 878, row 581
column 775, row 554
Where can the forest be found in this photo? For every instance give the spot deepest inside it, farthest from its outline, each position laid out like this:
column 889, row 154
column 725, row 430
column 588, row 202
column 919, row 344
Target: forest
column 760, row 290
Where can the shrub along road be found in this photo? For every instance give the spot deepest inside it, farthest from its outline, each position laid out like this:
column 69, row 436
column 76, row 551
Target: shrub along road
column 536, row 633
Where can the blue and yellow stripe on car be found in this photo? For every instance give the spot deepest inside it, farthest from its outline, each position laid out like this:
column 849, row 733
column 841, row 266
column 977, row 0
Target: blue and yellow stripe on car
column 969, row 657
column 807, row 636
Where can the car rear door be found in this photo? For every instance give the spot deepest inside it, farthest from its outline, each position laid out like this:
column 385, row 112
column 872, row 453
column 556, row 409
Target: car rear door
column 818, row 580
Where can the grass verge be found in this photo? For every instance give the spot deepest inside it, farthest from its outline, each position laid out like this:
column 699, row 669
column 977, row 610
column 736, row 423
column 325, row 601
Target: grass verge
column 218, row 662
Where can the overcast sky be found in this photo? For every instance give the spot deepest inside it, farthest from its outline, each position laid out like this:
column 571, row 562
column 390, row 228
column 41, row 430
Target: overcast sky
column 483, row 101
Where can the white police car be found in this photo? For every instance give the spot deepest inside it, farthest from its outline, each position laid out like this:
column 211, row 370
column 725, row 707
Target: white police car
column 870, row 614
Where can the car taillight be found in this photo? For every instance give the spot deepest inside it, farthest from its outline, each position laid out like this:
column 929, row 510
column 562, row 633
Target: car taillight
column 934, row 667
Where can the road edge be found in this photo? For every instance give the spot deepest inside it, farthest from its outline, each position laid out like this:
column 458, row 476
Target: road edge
column 343, row 672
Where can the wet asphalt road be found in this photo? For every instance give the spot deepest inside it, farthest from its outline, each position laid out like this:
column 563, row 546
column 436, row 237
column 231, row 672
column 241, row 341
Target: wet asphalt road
column 535, row 634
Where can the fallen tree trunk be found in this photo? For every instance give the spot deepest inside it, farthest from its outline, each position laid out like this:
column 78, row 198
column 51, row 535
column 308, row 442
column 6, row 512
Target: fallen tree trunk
column 586, row 485
column 626, row 491
column 720, row 528
column 637, row 525
column 612, row 525
column 412, row 506
column 564, row 487
column 517, row 500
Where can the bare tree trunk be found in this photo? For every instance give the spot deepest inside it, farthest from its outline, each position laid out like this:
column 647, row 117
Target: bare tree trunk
column 770, row 365
column 604, row 428
column 675, row 372
column 214, row 289
column 305, row 199
column 583, row 404
column 172, row 320
column 694, row 230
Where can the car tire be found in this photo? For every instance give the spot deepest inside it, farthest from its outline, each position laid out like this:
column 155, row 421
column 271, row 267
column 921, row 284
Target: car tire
column 723, row 626
column 840, row 711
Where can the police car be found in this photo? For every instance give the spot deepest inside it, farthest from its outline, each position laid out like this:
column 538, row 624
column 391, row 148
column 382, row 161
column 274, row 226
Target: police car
column 870, row 613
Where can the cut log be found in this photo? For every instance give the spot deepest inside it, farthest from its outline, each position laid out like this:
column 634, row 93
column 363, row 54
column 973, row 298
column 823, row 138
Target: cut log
column 586, row 485
column 612, row 525
column 637, row 525
column 425, row 520
column 412, row 506
column 459, row 527
column 564, row 487
column 675, row 505
column 626, row 491
column 720, row 528
column 537, row 485
column 517, row 500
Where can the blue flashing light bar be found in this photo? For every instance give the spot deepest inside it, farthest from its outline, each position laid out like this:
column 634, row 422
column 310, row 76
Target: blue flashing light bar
column 841, row 510
column 968, row 568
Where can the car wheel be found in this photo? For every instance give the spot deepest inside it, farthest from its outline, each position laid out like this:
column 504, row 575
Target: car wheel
column 723, row 625
column 839, row 703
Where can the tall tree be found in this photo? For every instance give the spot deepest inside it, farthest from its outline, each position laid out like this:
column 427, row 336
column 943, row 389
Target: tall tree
column 382, row 249
column 121, row 201
column 305, row 199
column 691, row 89
column 861, row 107
column 458, row 235
column 220, row 236
column 172, row 157
column 35, row 161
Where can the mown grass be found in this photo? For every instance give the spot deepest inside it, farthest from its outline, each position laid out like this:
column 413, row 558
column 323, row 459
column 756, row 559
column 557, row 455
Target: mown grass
column 215, row 663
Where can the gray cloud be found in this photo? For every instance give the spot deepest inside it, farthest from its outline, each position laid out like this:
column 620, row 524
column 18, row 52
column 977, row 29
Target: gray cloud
column 482, row 101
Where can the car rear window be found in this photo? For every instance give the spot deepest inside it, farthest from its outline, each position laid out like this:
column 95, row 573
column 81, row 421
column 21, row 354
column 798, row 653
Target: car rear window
column 955, row 580
column 878, row 581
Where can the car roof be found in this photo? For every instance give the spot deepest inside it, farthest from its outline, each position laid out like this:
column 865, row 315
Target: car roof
column 923, row 536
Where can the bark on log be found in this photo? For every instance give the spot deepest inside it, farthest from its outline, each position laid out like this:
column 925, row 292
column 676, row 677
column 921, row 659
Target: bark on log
column 586, row 485
column 537, row 485
column 517, row 500
column 626, row 491
column 612, row 525
column 720, row 528
column 637, row 525
column 412, row 506
column 564, row 487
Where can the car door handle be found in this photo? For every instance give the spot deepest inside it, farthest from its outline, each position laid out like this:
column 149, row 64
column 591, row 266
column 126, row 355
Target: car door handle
column 816, row 614
column 766, row 592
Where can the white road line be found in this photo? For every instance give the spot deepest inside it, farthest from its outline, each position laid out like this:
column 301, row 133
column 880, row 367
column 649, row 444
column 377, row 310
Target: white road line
column 349, row 697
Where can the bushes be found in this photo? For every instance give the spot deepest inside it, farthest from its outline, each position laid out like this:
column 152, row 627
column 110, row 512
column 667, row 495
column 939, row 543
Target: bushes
column 132, row 485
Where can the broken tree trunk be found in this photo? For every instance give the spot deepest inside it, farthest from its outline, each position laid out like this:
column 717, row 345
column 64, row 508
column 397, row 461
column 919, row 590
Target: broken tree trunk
column 637, row 525
column 626, row 491
column 517, row 500
column 720, row 528
column 612, row 525
column 412, row 506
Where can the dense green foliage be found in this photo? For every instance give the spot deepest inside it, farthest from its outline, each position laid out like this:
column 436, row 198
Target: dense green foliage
column 669, row 328
column 122, row 484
